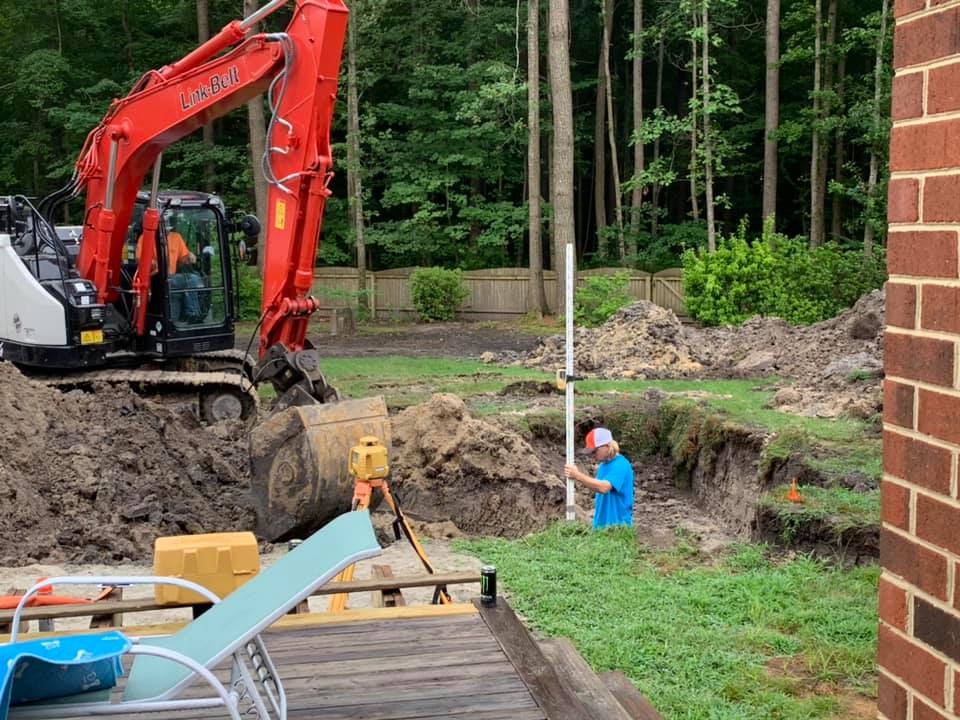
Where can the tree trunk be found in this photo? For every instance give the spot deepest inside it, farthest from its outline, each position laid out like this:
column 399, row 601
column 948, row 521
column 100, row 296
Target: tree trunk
column 257, row 125
column 874, row 155
column 56, row 15
column 638, row 161
column 128, row 36
column 816, row 156
column 772, row 114
column 836, row 210
column 536, row 295
column 694, row 80
column 707, row 139
column 354, row 174
column 826, row 106
column 611, row 133
column 203, row 34
column 600, row 153
column 658, row 103
column 561, row 183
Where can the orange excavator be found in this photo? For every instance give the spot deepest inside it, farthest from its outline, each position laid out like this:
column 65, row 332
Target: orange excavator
column 142, row 292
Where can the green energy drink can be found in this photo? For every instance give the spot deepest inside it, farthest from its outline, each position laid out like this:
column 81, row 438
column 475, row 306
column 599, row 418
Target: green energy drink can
column 488, row 585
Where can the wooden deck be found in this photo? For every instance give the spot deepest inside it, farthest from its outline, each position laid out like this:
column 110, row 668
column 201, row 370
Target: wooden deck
column 446, row 666
column 419, row 663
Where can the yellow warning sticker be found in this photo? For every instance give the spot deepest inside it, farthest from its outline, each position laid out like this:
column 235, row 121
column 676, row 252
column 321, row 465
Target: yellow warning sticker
column 280, row 215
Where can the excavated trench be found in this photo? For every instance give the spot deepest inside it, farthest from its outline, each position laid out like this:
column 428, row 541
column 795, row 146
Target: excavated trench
column 697, row 472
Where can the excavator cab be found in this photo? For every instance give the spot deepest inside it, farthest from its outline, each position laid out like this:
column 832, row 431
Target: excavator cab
column 190, row 308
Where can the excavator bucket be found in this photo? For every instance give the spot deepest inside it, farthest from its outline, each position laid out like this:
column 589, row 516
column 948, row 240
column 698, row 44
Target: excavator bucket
column 298, row 460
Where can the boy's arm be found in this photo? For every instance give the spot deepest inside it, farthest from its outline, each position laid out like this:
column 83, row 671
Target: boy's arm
column 600, row 486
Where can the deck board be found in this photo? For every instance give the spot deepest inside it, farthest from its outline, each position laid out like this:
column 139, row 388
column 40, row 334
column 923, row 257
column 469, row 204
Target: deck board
column 401, row 669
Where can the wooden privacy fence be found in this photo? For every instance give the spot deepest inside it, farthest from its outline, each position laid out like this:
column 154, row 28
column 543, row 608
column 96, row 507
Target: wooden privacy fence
column 497, row 293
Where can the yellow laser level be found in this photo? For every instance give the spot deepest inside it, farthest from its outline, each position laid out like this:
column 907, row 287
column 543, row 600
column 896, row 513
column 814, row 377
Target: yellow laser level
column 368, row 459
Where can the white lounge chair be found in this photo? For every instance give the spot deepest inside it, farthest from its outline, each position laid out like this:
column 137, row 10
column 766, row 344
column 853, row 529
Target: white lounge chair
column 163, row 667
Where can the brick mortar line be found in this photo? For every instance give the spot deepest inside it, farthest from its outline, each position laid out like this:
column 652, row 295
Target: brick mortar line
column 920, row 490
column 938, row 497
column 932, row 387
column 915, row 420
column 925, row 226
column 926, row 12
column 917, row 540
column 931, row 650
column 948, row 692
column 924, row 92
column 913, row 591
column 911, row 174
column 954, row 461
column 927, row 118
column 912, row 691
column 918, row 322
column 956, row 354
column 920, row 332
column 917, row 435
column 921, row 188
column 917, row 280
column 951, row 587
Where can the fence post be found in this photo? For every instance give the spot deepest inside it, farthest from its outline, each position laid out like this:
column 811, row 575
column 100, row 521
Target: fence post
column 372, row 280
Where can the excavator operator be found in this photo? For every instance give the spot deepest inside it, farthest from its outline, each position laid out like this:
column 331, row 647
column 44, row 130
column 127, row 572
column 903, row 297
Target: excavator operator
column 183, row 283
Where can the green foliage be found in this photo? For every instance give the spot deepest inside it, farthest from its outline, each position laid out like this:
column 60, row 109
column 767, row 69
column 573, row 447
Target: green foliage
column 357, row 300
column 251, row 290
column 665, row 249
column 739, row 617
column 776, row 276
column 437, row 293
column 600, row 297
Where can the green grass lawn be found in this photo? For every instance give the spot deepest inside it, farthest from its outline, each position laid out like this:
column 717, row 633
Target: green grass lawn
column 848, row 444
column 747, row 638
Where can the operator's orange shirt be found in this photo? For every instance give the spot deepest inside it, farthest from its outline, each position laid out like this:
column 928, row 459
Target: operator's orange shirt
column 177, row 250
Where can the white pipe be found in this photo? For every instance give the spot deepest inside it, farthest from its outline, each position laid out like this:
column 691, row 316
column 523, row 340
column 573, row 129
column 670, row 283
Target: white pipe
column 571, row 515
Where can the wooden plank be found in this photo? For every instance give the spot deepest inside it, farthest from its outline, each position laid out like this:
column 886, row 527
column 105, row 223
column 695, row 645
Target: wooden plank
column 626, row 693
column 543, row 681
column 109, row 607
column 582, row 680
column 297, row 621
column 387, row 597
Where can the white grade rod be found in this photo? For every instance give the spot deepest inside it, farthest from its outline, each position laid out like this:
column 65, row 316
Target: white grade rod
column 571, row 515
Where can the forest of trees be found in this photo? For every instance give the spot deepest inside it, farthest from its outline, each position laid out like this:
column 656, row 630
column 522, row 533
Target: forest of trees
column 650, row 127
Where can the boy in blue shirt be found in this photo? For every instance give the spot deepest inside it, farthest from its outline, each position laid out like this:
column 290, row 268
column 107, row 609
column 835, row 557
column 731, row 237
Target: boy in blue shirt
column 613, row 483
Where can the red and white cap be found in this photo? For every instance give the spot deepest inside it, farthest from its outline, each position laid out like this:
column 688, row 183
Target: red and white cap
column 598, row 437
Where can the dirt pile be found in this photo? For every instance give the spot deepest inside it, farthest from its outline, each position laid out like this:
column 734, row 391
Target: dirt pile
column 830, row 368
column 834, row 366
column 642, row 340
column 95, row 478
column 449, row 466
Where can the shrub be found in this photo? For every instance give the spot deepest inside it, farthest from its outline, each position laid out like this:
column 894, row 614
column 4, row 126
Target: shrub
column 776, row 276
column 437, row 293
column 250, row 289
column 599, row 297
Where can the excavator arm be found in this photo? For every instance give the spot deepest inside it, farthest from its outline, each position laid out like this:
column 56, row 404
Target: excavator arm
column 298, row 70
column 298, row 455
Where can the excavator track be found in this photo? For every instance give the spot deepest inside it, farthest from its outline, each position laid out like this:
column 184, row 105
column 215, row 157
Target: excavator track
column 220, row 382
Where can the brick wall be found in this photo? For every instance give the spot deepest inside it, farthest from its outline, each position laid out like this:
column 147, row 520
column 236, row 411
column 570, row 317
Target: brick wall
column 919, row 598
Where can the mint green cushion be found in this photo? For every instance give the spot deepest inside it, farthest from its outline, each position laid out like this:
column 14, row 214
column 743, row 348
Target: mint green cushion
column 253, row 606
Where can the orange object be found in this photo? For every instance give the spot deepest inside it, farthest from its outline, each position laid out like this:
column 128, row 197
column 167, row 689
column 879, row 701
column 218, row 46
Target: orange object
column 793, row 495
column 10, row 602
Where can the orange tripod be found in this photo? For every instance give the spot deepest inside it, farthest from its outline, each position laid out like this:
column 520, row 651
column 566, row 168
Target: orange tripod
column 368, row 465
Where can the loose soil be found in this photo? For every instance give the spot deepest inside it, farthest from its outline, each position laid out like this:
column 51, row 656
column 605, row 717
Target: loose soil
column 829, row 369
column 485, row 479
column 96, row 477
